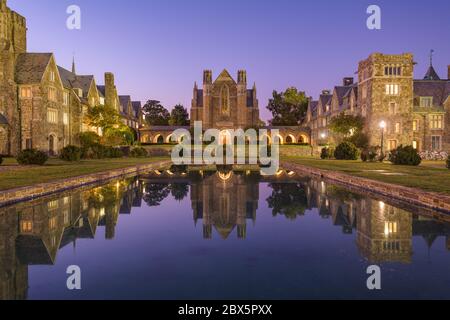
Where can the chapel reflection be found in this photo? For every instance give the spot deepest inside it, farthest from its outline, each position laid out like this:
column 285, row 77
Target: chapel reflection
column 223, row 202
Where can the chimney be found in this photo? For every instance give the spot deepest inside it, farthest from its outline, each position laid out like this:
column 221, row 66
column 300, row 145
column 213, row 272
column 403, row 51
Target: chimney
column 347, row 81
column 110, row 90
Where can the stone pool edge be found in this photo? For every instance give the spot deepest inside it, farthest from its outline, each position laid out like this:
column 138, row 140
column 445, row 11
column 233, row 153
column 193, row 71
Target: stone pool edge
column 13, row 196
column 414, row 196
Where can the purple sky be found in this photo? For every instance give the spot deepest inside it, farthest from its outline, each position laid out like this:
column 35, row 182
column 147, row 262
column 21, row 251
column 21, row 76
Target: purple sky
column 159, row 48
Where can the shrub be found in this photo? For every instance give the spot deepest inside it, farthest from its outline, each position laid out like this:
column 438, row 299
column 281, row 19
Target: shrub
column 159, row 152
column 95, row 151
column 111, row 152
column 346, row 151
column 327, row 153
column 370, row 154
column 405, row 155
column 89, row 139
column 448, row 162
column 32, row 157
column 139, row 152
column 70, row 153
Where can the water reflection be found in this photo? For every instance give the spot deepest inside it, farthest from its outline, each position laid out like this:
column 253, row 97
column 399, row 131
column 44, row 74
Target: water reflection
column 223, row 202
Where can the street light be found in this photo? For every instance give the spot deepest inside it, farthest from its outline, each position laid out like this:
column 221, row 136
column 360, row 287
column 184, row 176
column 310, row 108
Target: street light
column 382, row 127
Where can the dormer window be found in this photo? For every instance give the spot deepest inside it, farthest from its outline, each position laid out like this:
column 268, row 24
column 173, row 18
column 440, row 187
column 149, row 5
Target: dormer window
column 79, row 92
column 426, row 102
column 52, row 76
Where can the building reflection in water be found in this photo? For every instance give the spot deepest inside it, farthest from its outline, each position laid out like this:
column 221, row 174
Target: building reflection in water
column 31, row 233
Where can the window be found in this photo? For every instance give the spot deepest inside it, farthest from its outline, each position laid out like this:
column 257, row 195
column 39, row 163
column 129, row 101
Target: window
column 392, row 89
column 392, row 144
column 392, row 108
column 52, row 205
column 52, row 94
column 392, row 71
column 65, row 119
column 426, row 102
column 52, row 223
column 52, row 76
column 66, row 98
column 26, row 92
column 415, row 125
column 397, row 127
column 102, row 101
column 390, row 228
column 26, row 226
column 415, row 145
column 436, row 122
column 436, row 143
column 52, row 116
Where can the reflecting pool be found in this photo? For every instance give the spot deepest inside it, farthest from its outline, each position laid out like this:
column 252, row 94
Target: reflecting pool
column 175, row 234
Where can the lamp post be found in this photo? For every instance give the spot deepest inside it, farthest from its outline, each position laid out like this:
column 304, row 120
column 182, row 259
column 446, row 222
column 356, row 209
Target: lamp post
column 382, row 127
column 323, row 136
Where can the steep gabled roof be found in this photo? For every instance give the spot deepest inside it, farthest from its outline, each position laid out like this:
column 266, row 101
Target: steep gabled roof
column 73, row 81
column 439, row 90
column 431, row 74
column 225, row 76
column 124, row 101
column 101, row 91
column 30, row 67
column 137, row 107
column 313, row 108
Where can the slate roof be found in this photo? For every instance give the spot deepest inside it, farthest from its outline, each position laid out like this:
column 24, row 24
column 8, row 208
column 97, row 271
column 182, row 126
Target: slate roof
column 124, row 100
column 73, row 81
column 438, row 89
column 250, row 98
column 101, row 91
column 200, row 98
column 313, row 105
column 30, row 67
column 31, row 250
column 342, row 92
column 431, row 74
column 137, row 107
column 3, row 119
column 325, row 99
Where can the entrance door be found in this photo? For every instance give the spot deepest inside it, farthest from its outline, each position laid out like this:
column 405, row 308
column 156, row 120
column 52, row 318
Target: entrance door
column 52, row 145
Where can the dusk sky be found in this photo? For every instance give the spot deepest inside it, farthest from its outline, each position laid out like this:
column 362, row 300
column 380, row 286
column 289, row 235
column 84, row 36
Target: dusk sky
column 158, row 49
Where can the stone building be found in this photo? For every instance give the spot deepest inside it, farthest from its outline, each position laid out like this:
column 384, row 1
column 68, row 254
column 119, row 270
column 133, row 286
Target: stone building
column 415, row 112
column 43, row 105
column 225, row 103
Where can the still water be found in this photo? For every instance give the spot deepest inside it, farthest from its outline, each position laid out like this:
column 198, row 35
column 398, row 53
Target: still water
column 221, row 235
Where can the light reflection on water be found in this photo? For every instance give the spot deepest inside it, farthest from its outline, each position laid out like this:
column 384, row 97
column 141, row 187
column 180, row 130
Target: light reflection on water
column 221, row 235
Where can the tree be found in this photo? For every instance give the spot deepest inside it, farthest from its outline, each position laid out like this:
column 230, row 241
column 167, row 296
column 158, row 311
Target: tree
column 288, row 200
column 155, row 113
column 288, row 108
column 103, row 117
column 179, row 116
column 349, row 128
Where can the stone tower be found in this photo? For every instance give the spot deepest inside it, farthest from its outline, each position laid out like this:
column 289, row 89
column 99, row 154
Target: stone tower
column 13, row 41
column 385, row 94
column 207, row 91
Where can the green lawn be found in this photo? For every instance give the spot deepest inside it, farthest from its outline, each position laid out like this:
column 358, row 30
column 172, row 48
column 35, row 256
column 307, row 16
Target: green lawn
column 429, row 176
column 13, row 176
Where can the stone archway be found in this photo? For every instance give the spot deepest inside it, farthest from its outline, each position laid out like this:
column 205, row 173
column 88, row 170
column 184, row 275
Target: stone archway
column 290, row 139
column 303, row 139
column 52, row 145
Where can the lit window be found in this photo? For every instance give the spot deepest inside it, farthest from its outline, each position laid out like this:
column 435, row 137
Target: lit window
column 26, row 92
column 415, row 125
column 52, row 116
column 52, row 76
column 52, row 94
column 414, row 144
column 390, row 228
column 392, row 144
column 65, row 119
column 392, row 89
column 102, row 101
column 26, row 226
column 66, row 98
column 436, row 122
column 52, row 223
column 426, row 102
column 397, row 127
column 52, row 205
column 436, row 143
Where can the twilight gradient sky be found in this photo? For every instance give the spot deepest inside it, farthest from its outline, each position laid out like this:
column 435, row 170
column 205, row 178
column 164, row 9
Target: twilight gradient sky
column 158, row 48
